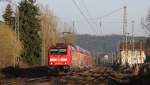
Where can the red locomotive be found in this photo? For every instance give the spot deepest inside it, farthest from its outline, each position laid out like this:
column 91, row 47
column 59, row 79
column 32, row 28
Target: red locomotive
column 64, row 57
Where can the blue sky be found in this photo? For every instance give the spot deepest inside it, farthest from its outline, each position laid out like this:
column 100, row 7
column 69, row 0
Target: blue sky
column 67, row 12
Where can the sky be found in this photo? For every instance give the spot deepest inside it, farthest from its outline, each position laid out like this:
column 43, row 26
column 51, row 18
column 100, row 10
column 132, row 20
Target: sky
column 67, row 12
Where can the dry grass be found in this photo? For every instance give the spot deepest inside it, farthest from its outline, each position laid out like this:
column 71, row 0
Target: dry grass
column 10, row 47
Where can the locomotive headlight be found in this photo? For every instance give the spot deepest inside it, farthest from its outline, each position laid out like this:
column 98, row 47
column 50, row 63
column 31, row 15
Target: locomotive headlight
column 63, row 59
column 52, row 59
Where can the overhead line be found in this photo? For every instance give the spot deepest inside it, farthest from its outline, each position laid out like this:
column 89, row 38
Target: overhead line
column 85, row 7
column 106, row 15
column 89, row 14
column 86, row 19
column 110, row 13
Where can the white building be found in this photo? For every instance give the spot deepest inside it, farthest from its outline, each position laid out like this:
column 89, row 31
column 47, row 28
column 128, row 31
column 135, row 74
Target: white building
column 132, row 57
column 131, row 54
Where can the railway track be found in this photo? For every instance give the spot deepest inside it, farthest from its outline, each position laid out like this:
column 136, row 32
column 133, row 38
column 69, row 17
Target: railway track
column 93, row 76
column 61, row 79
column 52, row 78
column 98, row 76
column 23, row 81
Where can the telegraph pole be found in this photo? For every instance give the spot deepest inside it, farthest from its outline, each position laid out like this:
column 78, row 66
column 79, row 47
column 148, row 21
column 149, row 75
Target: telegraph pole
column 125, row 27
column 133, row 53
column 132, row 35
column 43, row 44
column 18, row 32
column 100, row 25
column 125, row 34
column 73, row 24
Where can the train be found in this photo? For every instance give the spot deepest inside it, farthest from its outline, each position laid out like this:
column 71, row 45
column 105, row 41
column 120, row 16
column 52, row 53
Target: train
column 65, row 57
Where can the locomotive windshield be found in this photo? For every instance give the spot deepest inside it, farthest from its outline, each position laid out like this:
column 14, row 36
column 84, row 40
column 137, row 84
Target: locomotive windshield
column 54, row 51
column 62, row 51
column 58, row 51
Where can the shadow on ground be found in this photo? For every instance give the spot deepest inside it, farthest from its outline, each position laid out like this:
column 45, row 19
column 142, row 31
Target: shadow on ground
column 11, row 72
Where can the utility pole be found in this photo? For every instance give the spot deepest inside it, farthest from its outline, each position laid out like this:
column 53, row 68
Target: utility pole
column 73, row 24
column 125, row 27
column 43, row 44
column 112, row 59
column 125, row 41
column 101, row 33
column 132, row 35
column 141, row 49
column 133, row 53
column 18, row 32
column 100, row 25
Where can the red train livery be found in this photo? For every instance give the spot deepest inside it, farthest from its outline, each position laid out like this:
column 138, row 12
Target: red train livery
column 64, row 57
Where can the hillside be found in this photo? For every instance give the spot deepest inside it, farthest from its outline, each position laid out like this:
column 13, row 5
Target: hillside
column 100, row 43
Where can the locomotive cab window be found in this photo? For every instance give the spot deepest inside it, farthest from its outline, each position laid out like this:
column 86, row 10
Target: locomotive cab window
column 58, row 51
column 54, row 51
column 63, row 51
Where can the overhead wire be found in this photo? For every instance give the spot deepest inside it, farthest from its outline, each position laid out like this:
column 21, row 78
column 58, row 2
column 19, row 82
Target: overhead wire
column 89, row 14
column 106, row 15
column 85, row 17
column 85, row 7
column 89, row 19
column 99, row 18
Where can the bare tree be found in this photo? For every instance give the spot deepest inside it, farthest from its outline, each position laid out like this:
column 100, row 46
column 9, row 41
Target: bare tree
column 49, row 31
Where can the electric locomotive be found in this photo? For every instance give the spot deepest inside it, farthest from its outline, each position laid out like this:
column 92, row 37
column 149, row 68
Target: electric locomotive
column 64, row 57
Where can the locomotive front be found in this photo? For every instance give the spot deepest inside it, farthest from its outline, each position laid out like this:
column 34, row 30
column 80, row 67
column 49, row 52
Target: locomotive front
column 59, row 58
